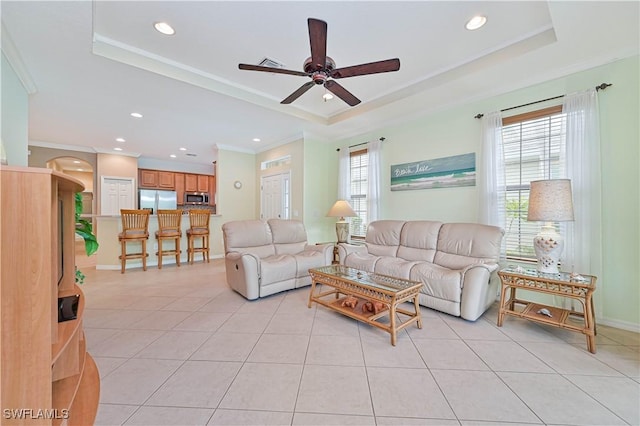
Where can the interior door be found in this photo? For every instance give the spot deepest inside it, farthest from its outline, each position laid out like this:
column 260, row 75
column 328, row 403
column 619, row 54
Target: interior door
column 275, row 196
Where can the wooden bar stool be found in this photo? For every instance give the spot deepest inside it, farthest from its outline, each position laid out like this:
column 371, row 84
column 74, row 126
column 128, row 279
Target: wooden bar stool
column 198, row 228
column 169, row 229
column 135, row 228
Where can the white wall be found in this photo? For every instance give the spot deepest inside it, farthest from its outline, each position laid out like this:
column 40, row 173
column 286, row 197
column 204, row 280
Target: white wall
column 14, row 119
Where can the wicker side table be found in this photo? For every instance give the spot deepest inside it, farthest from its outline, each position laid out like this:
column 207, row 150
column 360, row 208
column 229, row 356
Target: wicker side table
column 563, row 285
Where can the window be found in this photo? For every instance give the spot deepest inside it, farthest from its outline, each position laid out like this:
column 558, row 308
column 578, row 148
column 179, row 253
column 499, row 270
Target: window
column 359, row 166
column 532, row 145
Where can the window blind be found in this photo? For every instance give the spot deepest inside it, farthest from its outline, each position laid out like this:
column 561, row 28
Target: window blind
column 359, row 165
column 532, row 144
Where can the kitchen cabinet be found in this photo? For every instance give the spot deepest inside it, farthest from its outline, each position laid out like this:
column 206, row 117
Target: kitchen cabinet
column 203, row 183
column 190, row 182
column 179, row 180
column 212, row 190
column 147, row 178
column 156, row 179
column 166, row 180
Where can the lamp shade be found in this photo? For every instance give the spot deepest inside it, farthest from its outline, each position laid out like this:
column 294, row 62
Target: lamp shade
column 550, row 201
column 341, row 209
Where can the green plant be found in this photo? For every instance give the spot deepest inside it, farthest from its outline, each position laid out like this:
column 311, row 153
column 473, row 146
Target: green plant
column 84, row 228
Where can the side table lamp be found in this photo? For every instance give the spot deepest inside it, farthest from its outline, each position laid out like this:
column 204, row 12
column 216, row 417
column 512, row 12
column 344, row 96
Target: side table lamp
column 549, row 201
column 342, row 209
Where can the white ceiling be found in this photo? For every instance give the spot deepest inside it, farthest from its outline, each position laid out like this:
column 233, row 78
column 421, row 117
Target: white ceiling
column 90, row 64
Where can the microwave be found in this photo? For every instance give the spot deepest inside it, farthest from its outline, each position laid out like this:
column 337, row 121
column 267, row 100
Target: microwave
column 197, row 198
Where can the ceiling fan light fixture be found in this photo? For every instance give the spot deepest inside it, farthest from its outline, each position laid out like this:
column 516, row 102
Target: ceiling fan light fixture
column 327, row 96
column 476, row 22
column 164, row 28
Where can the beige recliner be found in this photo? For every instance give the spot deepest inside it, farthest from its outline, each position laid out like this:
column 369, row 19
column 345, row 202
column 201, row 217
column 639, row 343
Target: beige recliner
column 267, row 257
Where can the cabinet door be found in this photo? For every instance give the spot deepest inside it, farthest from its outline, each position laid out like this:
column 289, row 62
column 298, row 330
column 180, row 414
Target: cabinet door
column 179, row 179
column 166, row 180
column 212, row 190
column 148, row 178
column 203, row 183
column 191, row 183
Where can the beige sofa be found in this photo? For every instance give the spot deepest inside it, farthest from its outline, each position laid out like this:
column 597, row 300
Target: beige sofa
column 456, row 262
column 267, row 257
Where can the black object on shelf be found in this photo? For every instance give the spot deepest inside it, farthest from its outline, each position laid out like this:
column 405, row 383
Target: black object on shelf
column 68, row 308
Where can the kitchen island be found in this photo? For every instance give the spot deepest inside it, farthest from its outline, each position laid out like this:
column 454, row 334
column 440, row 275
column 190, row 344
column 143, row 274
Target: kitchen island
column 108, row 227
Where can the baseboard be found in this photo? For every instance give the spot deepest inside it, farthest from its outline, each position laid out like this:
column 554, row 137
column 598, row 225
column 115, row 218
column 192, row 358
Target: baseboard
column 623, row 325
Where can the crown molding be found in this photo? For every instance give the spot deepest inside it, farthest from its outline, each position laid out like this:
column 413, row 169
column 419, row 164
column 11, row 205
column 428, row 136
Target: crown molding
column 15, row 60
column 52, row 145
column 234, row 148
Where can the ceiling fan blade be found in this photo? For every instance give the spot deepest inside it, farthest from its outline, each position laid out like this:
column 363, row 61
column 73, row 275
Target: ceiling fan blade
column 318, row 41
column 341, row 92
column 271, row 69
column 370, row 68
column 295, row 95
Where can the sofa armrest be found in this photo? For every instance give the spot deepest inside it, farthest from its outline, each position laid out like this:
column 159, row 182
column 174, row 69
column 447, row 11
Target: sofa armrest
column 480, row 291
column 345, row 249
column 243, row 273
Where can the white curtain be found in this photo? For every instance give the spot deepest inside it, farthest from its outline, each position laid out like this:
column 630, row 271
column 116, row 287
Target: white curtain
column 344, row 175
column 491, row 179
column 373, row 194
column 582, row 252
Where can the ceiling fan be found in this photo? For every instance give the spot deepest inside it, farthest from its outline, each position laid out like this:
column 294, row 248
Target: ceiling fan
column 322, row 69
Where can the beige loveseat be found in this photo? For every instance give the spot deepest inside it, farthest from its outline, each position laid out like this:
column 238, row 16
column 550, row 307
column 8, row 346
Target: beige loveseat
column 456, row 262
column 267, row 257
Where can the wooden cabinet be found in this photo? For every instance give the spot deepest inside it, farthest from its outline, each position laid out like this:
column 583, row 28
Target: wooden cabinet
column 203, row 183
column 212, row 190
column 147, row 178
column 166, row 180
column 179, row 179
column 156, row 179
column 191, row 182
column 45, row 365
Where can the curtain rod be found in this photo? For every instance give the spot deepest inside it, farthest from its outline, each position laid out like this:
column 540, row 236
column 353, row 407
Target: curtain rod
column 600, row 87
column 382, row 139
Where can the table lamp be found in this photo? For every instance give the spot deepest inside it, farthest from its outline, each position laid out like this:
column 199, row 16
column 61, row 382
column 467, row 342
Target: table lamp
column 549, row 201
column 342, row 209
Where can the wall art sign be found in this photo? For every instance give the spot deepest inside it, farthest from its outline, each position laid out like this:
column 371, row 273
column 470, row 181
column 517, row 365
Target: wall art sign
column 447, row 172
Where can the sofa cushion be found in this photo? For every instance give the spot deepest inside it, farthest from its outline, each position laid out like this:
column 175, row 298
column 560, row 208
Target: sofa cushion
column 394, row 267
column 383, row 237
column 277, row 268
column 419, row 240
column 463, row 244
column 248, row 236
column 362, row 261
column 439, row 282
column 307, row 260
column 289, row 236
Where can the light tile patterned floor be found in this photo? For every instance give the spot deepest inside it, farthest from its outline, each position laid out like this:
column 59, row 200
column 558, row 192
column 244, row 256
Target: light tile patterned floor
column 178, row 347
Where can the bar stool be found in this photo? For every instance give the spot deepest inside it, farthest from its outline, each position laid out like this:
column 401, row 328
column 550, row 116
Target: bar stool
column 198, row 228
column 135, row 228
column 169, row 229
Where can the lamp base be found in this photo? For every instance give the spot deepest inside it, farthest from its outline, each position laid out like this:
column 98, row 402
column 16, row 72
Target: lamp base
column 548, row 245
column 342, row 231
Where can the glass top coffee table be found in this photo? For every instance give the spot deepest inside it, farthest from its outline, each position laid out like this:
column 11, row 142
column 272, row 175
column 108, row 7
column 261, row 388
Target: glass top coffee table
column 367, row 297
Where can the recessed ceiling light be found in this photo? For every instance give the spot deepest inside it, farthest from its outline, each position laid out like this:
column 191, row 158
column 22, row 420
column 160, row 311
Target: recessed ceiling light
column 136, row 115
column 256, row 139
column 183, row 149
column 80, row 170
column 476, row 22
column 172, row 156
column 76, row 162
column 120, row 140
column 117, row 149
column 164, row 28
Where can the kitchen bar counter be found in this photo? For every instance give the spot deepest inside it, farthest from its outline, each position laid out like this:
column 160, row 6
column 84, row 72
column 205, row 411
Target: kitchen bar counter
column 107, row 229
